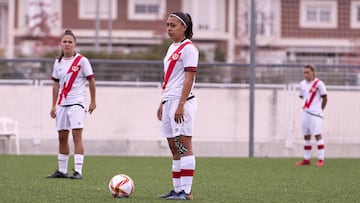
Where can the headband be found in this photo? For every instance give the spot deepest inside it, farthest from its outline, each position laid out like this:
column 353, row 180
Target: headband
column 181, row 20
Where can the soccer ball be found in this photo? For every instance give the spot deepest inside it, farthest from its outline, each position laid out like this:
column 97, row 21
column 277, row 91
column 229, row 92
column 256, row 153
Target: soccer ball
column 121, row 185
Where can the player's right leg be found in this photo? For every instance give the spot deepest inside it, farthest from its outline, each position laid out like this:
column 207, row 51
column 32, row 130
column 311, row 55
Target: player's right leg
column 62, row 126
column 305, row 128
column 166, row 132
column 63, row 156
column 307, row 152
column 175, row 169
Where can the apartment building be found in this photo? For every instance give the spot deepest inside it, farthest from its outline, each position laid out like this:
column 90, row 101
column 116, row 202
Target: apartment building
column 328, row 30
column 302, row 31
column 288, row 31
column 34, row 26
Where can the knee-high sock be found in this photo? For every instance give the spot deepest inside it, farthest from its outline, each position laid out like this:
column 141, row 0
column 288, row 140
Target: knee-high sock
column 63, row 162
column 176, row 175
column 79, row 162
column 187, row 172
column 321, row 149
column 307, row 149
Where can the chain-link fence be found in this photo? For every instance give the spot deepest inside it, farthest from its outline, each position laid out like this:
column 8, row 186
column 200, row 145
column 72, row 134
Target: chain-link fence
column 152, row 71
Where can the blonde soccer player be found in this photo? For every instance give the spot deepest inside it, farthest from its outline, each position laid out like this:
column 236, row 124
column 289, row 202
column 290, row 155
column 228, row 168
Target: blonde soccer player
column 178, row 103
column 314, row 98
column 70, row 74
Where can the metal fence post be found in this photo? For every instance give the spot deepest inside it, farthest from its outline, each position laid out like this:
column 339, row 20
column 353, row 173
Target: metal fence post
column 252, row 78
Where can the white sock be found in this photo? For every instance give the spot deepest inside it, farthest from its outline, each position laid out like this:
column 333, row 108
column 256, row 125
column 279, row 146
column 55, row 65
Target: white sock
column 176, row 175
column 78, row 161
column 321, row 149
column 307, row 149
column 187, row 172
column 63, row 162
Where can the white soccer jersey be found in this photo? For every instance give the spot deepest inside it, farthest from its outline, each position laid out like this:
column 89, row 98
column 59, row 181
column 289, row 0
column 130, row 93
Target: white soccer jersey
column 188, row 61
column 311, row 94
column 77, row 93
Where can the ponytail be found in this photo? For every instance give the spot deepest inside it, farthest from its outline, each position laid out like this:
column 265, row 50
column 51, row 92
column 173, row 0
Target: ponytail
column 185, row 19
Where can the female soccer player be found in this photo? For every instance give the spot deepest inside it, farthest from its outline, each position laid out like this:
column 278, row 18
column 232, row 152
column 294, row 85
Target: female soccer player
column 70, row 73
column 313, row 93
column 178, row 104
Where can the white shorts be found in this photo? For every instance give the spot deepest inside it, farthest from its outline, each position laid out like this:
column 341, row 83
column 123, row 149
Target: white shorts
column 311, row 124
column 70, row 117
column 169, row 128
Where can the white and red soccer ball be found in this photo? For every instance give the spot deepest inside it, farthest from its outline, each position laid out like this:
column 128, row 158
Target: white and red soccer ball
column 121, row 185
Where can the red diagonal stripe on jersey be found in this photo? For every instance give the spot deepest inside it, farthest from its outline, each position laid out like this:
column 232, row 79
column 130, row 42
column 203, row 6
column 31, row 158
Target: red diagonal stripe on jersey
column 67, row 87
column 313, row 91
column 174, row 58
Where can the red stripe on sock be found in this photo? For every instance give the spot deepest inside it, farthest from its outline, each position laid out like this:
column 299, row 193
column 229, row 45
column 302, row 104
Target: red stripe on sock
column 187, row 172
column 307, row 147
column 176, row 174
column 321, row 146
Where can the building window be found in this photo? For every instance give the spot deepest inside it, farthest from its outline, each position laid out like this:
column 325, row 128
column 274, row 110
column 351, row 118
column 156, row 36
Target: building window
column 355, row 14
column 264, row 23
column 87, row 9
column 39, row 17
column 210, row 15
column 146, row 9
column 318, row 14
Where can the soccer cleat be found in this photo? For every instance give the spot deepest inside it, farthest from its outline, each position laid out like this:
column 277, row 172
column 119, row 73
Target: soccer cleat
column 58, row 174
column 320, row 163
column 181, row 196
column 76, row 175
column 303, row 162
column 171, row 193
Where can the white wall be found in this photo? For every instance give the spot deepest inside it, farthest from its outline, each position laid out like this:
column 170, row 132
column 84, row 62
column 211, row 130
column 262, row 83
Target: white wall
column 125, row 123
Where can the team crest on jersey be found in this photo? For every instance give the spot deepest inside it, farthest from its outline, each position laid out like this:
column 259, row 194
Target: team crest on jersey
column 75, row 68
column 313, row 89
column 175, row 56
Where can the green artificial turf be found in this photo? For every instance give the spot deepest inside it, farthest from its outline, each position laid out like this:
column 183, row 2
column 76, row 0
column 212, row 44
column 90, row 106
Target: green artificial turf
column 216, row 180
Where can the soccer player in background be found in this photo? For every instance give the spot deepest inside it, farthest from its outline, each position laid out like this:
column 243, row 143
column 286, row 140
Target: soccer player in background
column 178, row 104
column 313, row 94
column 70, row 74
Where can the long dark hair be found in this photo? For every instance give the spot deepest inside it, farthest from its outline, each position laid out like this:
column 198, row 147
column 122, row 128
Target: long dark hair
column 67, row 32
column 188, row 21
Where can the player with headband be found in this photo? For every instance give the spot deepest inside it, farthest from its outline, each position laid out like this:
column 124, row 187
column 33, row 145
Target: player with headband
column 178, row 103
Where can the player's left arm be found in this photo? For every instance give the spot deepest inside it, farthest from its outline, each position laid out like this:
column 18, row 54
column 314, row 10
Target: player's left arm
column 189, row 80
column 190, row 58
column 92, row 86
column 323, row 94
column 324, row 101
column 301, row 93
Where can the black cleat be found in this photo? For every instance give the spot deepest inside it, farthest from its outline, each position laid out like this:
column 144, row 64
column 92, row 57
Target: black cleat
column 76, row 175
column 171, row 193
column 181, row 196
column 58, row 174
